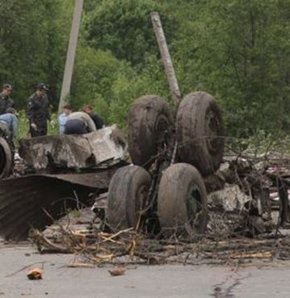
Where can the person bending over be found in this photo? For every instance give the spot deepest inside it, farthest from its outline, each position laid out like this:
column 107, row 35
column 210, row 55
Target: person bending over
column 79, row 123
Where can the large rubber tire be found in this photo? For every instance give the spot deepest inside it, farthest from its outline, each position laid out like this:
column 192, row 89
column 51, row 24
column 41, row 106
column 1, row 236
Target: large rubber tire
column 6, row 159
column 182, row 201
column 128, row 191
column 200, row 133
column 150, row 126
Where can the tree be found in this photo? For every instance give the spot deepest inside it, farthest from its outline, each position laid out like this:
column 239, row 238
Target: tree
column 124, row 28
column 33, row 39
column 239, row 51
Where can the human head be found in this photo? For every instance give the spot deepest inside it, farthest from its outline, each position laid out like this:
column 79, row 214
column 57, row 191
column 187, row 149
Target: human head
column 67, row 109
column 7, row 89
column 41, row 89
column 87, row 109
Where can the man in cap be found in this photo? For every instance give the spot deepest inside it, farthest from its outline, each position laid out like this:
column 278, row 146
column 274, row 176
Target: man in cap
column 38, row 111
column 5, row 101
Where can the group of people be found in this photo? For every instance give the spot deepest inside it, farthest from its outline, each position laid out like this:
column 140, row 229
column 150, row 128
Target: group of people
column 8, row 119
column 70, row 122
column 80, row 122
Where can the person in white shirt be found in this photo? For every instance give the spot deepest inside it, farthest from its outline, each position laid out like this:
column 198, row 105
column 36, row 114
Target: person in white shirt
column 62, row 118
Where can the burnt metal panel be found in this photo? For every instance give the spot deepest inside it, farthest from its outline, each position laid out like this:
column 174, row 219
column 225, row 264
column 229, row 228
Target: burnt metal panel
column 24, row 199
column 74, row 151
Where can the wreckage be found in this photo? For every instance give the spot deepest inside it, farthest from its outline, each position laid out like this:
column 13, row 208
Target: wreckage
column 58, row 175
column 176, row 184
column 164, row 201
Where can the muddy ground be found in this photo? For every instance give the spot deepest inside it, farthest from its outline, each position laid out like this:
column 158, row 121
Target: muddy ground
column 257, row 279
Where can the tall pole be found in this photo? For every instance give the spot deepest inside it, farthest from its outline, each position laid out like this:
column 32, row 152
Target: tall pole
column 70, row 56
column 165, row 56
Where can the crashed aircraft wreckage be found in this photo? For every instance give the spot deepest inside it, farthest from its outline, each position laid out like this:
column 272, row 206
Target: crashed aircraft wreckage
column 64, row 171
column 68, row 172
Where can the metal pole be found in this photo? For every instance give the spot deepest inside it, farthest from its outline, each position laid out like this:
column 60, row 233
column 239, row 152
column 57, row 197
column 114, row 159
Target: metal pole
column 165, row 56
column 70, row 57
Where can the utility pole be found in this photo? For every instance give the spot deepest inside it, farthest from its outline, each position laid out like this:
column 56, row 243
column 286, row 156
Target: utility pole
column 165, row 56
column 70, row 57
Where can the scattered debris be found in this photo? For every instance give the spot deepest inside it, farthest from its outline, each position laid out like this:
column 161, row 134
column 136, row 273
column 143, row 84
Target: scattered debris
column 56, row 175
column 25, row 202
column 117, row 271
column 242, row 226
column 35, row 274
column 247, row 203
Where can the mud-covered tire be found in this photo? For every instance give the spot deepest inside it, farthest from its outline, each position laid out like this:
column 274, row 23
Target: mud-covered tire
column 200, row 132
column 182, row 201
column 150, row 124
column 6, row 158
column 128, row 191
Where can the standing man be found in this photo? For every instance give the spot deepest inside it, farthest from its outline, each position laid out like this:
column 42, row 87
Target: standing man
column 5, row 101
column 38, row 111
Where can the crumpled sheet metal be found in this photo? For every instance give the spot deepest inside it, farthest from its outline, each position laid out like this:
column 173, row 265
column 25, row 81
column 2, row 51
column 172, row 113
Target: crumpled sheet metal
column 230, row 198
column 74, row 151
column 24, row 199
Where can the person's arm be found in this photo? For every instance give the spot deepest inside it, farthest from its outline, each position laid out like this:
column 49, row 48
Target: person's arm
column 30, row 113
column 30, row 110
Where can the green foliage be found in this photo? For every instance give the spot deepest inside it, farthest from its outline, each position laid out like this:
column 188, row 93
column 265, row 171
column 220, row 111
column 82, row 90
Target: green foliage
column 23, row 125
column 240, row 53
column 33, row 40
column 260, row 145
column 124, row 28
column 238, row 50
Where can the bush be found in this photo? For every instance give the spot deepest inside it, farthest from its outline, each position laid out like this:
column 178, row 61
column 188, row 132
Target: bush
column 23, row 125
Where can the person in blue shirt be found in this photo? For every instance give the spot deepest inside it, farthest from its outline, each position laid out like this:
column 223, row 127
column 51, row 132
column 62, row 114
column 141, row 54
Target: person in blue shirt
column 8, row 124
column 62, row 118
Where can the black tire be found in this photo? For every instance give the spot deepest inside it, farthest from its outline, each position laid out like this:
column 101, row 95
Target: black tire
column 128, row 191
column 182, row 201
column 200, row 132
column 150, row 127
column 6, row 158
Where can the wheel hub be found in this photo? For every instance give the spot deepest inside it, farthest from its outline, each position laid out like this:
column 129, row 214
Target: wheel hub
column 212, row 133
column 193, row 204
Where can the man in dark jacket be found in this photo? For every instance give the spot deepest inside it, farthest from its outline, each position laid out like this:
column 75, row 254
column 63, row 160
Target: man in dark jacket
column 99, row 123
column 38, row 111
column 5, row 101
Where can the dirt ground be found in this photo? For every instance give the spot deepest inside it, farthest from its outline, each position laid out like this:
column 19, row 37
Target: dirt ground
column 254, row 280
